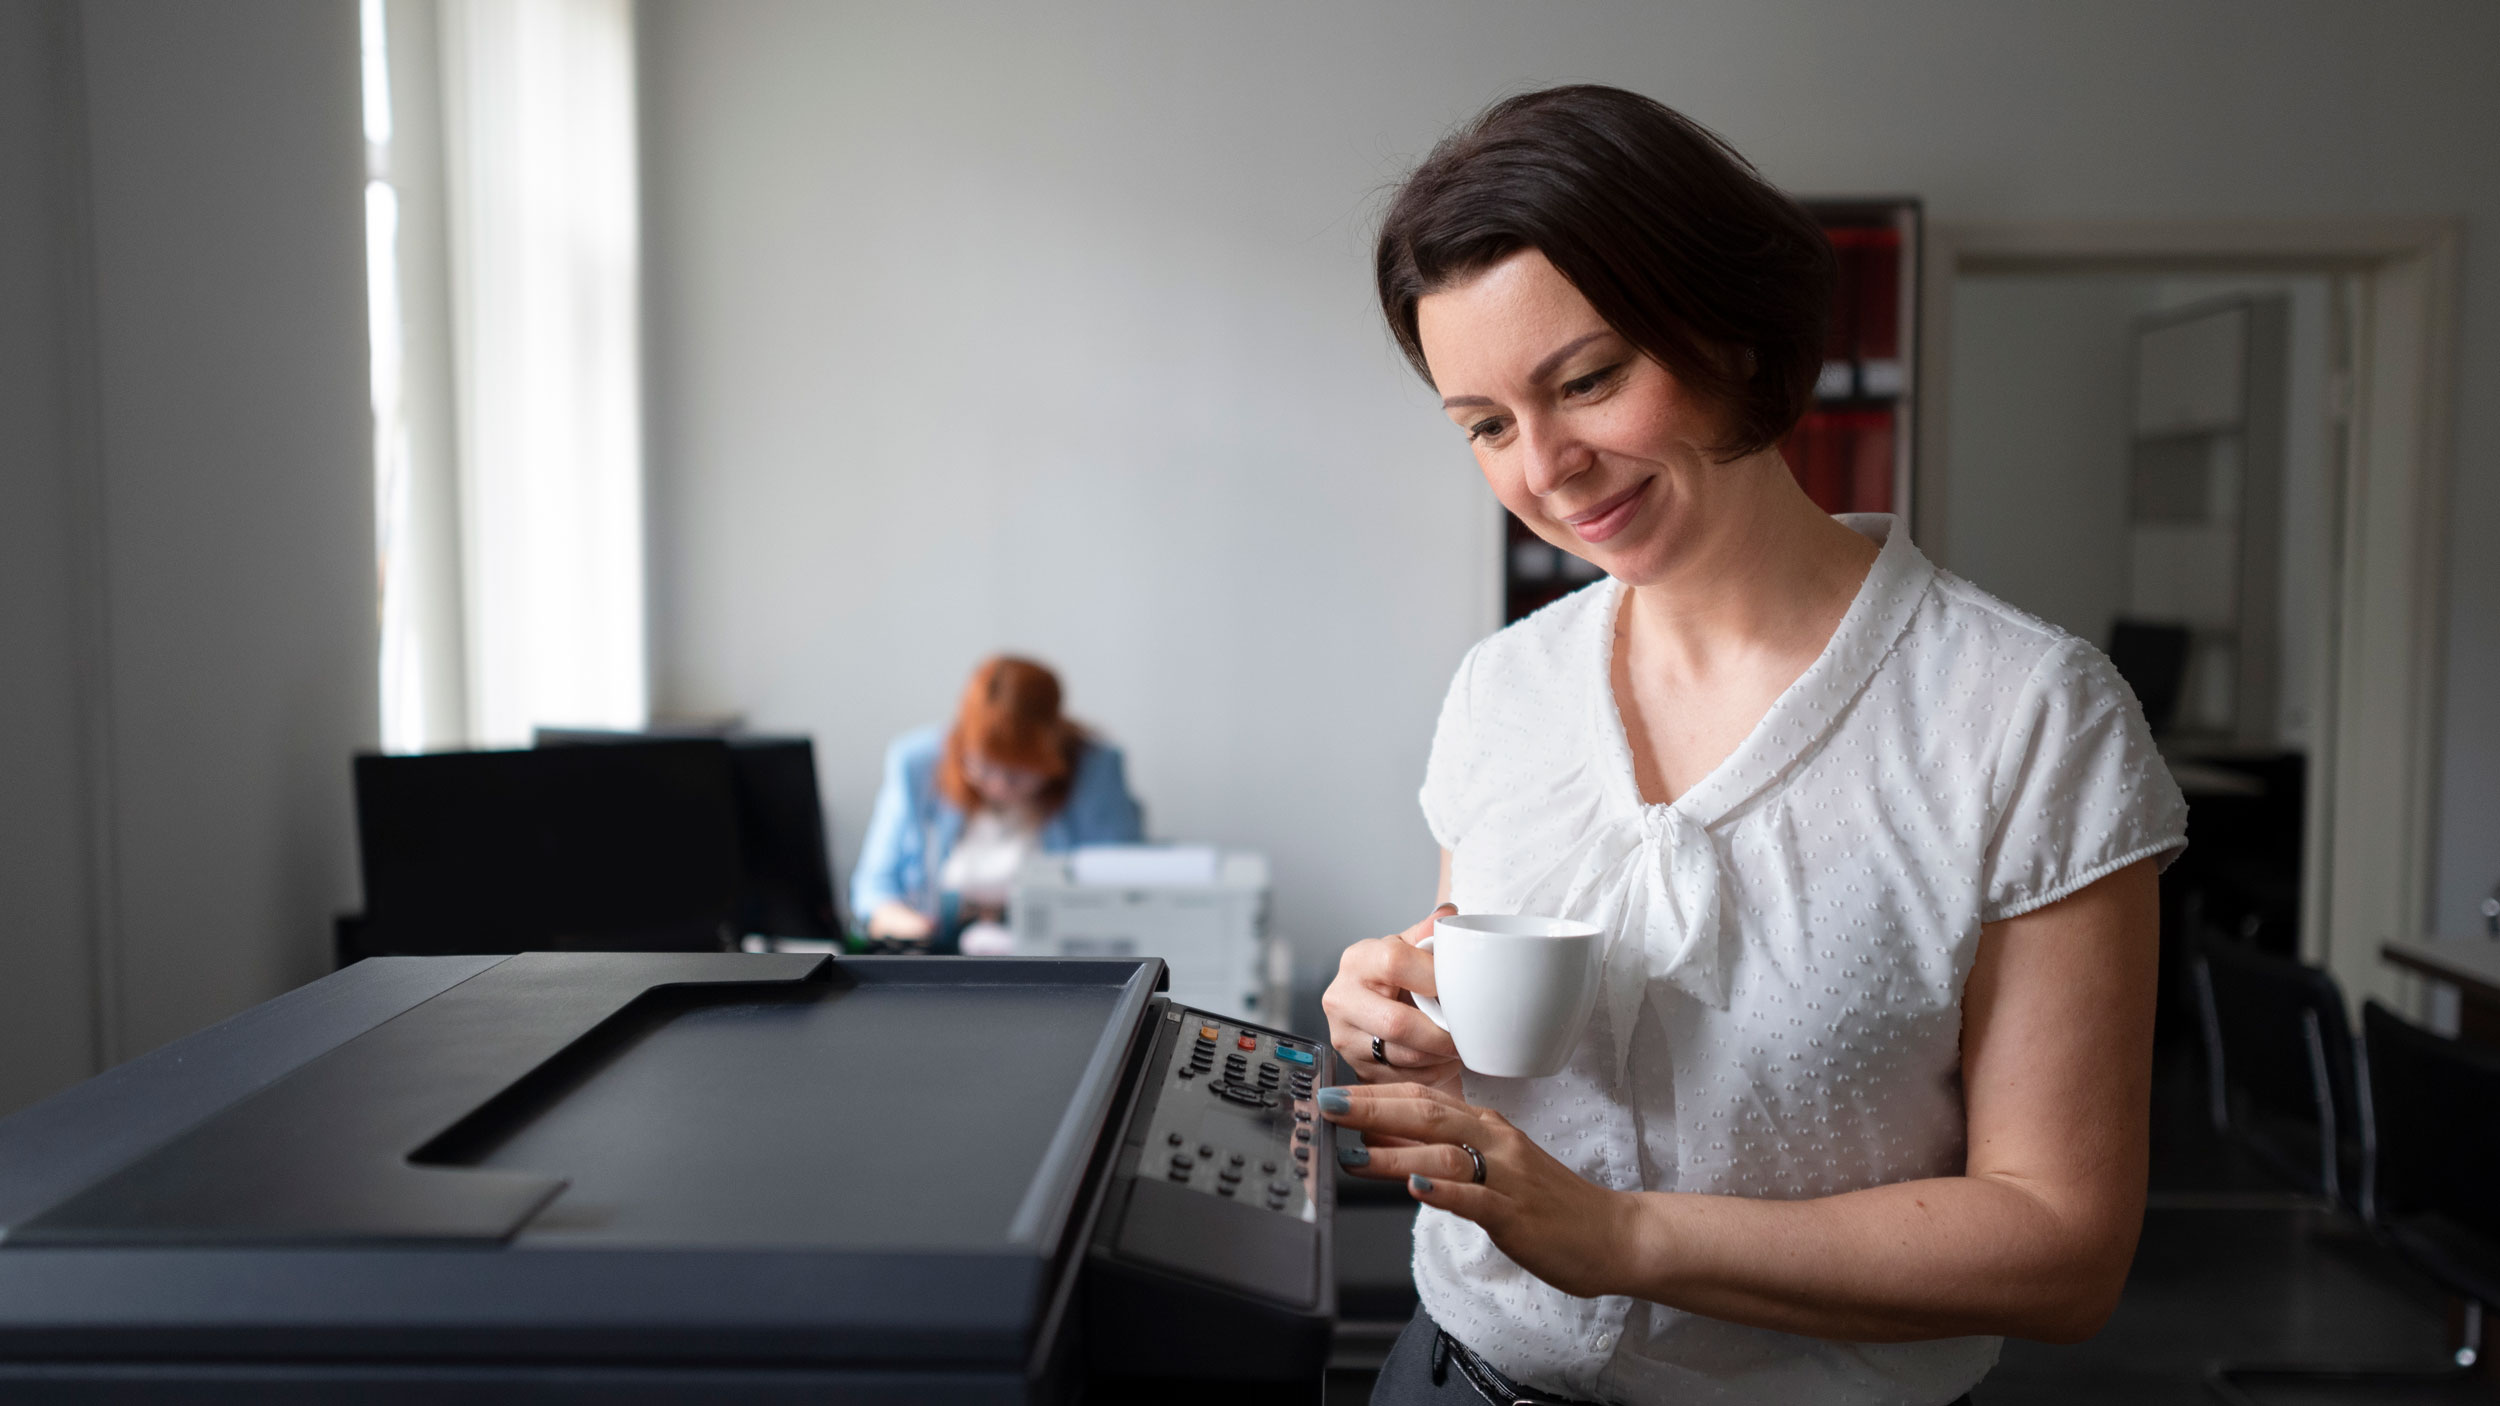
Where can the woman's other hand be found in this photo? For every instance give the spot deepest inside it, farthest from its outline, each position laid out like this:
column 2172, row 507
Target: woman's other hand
column 1368, row 999
column 1558, row 1225
column 895, row 918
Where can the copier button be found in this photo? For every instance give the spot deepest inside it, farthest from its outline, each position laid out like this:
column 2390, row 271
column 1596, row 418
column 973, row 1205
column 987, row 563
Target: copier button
column 1173, row 1138
column 1301, row 1057
column 1208, row 1033
column 1236, row 1159
column 1249, row 1042
column 1302, row 1152
column 1206, row 1149
column 1267, row 1166
column 1279, row 1187
column 1301, row 1132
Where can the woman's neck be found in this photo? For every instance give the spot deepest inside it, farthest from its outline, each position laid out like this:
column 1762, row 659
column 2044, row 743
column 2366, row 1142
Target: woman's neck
column 1014, row 817
column 1767, row 575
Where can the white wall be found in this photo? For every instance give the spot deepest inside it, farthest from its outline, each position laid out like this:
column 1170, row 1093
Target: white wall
column 2041, row 403
column 2039, row 406
column 1049, row 327
column 208, row 547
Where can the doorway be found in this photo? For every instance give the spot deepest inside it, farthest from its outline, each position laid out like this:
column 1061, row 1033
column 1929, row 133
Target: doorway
column 2144, row 460
column 2050, row 472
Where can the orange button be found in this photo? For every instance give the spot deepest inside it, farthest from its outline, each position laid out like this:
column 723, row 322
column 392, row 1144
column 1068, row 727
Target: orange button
column 1207, row 1032
column 1249, row 1042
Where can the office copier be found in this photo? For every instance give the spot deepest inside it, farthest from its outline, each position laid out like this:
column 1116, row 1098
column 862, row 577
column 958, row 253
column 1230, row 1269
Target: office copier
column 669, row 1177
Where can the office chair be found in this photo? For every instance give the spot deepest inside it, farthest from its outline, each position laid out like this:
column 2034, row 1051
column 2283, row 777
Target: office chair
column 2430, row 1109
column 2153, row 658
column 2279, row 1065
column 2435, row 1103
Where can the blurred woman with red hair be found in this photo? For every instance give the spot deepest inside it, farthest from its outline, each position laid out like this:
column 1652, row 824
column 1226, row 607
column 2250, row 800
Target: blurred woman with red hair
column 963, row 805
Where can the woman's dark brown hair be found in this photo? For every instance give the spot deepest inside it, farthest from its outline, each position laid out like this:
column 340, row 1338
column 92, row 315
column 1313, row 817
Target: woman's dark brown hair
column 1674, row 238
column 1010, row 715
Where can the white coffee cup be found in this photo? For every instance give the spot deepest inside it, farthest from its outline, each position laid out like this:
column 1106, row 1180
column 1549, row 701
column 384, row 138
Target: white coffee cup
column 1516, row 990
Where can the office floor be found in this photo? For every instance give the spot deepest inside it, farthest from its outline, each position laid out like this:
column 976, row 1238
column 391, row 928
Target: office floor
column 2229, row 1268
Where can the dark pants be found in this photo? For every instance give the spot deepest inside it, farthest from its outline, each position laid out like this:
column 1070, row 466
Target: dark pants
column 1422, row 1371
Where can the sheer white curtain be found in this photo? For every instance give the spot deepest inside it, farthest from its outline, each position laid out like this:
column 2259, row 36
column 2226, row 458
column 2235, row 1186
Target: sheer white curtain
column 520, row 522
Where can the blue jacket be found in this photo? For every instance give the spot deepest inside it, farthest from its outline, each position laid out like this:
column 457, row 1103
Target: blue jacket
column 913, row 828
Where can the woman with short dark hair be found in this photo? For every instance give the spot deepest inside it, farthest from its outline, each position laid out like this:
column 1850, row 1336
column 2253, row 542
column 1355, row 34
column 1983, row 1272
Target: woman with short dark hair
column 1874, row 852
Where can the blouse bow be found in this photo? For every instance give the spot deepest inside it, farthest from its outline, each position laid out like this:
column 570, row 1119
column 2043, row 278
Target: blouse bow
column 1651, row 883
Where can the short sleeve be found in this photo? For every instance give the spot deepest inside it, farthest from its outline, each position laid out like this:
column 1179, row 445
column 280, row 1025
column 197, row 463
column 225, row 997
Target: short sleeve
column 1447, row 769
column 889, row 855
column 2080, row 791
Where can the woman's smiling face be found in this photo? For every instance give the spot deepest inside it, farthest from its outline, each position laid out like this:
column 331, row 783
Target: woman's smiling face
column 1591, row 443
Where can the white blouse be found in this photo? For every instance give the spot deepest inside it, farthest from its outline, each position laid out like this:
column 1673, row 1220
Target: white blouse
column 1781, row 1012
column 983, row 864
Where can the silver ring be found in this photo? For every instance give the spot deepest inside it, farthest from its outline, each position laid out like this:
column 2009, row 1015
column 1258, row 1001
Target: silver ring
column 1380, row 1052
column 1476, row 1157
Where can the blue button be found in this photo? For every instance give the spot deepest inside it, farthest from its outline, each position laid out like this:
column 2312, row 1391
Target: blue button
column 1297, row 1056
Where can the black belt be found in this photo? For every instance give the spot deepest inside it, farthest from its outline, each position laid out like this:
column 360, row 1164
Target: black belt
column 1484, row 1377
column 1492, row 1385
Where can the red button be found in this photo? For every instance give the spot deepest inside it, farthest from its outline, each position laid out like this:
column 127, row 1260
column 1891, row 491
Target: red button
column 1249, row 1042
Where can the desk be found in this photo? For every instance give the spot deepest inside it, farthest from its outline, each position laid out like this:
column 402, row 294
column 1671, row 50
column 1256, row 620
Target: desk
column 2469, row 964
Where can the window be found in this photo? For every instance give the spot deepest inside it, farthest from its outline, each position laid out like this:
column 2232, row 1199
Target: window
column 504, row 255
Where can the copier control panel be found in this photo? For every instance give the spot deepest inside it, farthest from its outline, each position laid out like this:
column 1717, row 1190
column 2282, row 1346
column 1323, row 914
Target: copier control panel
column 1212, row 1259
column 1235, row 1117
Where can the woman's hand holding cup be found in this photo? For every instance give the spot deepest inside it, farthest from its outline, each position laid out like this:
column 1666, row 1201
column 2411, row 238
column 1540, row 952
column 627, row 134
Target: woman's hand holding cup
column 1369, row 999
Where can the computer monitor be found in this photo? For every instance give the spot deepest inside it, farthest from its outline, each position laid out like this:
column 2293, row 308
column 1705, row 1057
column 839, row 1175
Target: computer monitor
column 570, row 848
column 785, row 868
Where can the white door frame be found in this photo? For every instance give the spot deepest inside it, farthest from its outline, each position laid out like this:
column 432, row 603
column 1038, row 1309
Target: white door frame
column 2373, row 779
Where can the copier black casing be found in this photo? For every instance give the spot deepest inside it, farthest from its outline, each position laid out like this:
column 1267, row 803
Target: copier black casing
column 647, row 1177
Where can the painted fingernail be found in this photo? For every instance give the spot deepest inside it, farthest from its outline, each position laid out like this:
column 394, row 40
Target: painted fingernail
column 1335, row 1100
column 1355, row 1156
column 1420, row 1183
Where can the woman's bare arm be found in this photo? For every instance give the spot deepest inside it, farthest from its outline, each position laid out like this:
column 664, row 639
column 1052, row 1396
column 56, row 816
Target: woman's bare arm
column 2032, row 1240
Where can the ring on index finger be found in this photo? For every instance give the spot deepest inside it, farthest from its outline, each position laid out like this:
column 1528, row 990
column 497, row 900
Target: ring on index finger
column 1380, row 1052
column 1476, row 1157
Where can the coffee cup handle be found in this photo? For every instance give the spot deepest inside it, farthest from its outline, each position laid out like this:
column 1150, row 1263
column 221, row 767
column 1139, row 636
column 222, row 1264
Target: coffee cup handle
column 1428, row 1005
